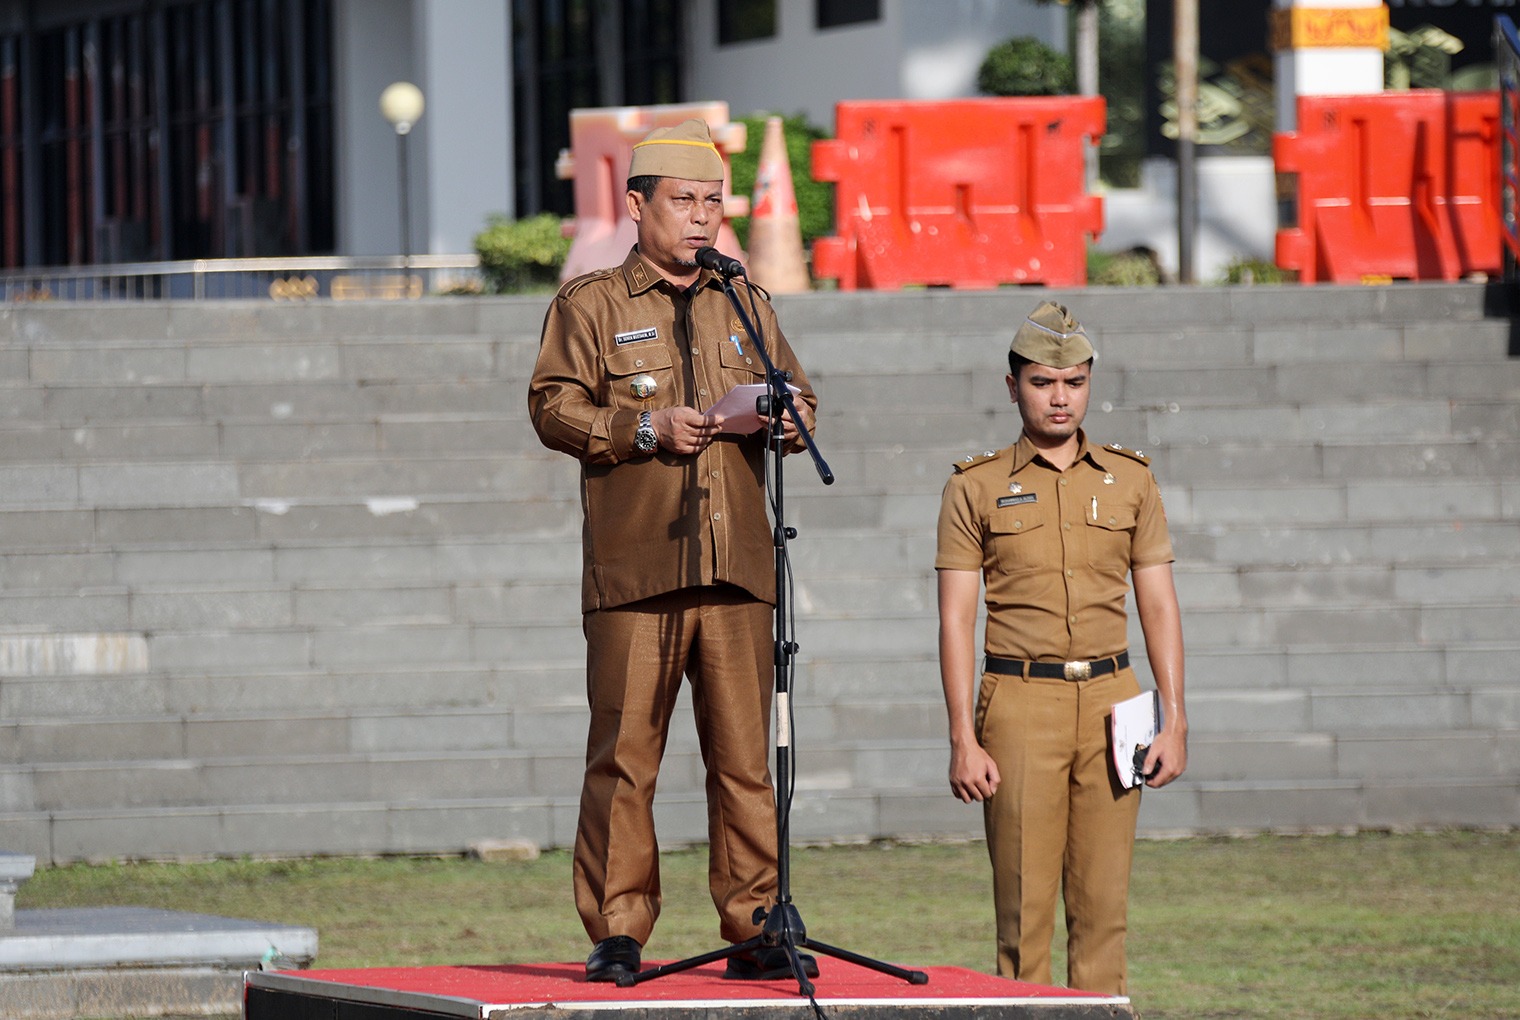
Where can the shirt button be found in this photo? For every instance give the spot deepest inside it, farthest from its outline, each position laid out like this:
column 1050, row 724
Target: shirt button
column 717, row 517
column 1063, row 481
column 702, row 392
column 1067, row 525
column 1071, row 573
column 639, row 363
column 715, row 474
column 1072, row 618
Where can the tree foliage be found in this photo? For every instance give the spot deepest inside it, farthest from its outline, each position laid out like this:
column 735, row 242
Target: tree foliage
column 1024, row 66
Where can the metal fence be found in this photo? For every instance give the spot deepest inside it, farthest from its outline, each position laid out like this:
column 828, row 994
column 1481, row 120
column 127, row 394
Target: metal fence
column 1507, row 57
column 339, row 278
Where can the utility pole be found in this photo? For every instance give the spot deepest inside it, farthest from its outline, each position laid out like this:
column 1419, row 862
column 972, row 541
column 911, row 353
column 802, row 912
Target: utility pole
column 1185, row 65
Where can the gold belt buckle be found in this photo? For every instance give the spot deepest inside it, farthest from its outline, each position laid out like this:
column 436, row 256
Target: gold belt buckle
column 1079, row 671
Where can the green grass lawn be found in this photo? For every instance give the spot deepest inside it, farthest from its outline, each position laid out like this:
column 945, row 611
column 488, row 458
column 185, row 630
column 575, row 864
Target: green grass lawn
column 1385, row 926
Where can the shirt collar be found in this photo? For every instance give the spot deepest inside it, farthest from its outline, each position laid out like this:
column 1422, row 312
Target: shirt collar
column 640, row 275
column 1024, row 452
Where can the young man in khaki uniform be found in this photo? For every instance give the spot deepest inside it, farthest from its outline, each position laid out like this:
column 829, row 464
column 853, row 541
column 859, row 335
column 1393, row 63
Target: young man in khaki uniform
column 1054, row 525
column 679, row 571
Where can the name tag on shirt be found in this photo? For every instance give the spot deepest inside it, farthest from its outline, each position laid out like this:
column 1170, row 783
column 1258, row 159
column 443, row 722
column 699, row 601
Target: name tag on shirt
column 1028, row 497
column 636, row 336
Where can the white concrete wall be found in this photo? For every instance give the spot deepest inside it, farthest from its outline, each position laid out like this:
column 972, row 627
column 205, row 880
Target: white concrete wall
column 920, row 49
column 1237, row 213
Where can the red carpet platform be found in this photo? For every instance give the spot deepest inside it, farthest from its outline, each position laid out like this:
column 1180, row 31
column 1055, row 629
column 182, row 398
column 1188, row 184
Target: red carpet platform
column 844, row 990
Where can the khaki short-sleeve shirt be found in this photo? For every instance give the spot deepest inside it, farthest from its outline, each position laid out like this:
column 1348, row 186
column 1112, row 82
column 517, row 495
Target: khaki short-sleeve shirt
column 1055, row 548
column 656, row 523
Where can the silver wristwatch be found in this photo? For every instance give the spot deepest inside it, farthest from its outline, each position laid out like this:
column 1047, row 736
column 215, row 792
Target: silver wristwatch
column 644, row 440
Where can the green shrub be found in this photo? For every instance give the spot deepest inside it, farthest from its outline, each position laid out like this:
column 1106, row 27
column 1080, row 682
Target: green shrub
column 1024, row 66
column 1246, row 269
column 815, row 199
column 521, row 255
column 1136, row 267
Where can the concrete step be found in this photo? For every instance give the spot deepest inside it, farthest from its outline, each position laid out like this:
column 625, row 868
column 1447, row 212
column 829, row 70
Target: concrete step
column 107, row 695
column 247, row 542
column 823, row 815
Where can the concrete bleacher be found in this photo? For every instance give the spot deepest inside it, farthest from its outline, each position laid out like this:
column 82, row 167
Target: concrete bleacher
column 297, row 579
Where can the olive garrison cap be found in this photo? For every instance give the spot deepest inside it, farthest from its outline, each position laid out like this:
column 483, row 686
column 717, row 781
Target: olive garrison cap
column 685, row 151
column 1051, row 337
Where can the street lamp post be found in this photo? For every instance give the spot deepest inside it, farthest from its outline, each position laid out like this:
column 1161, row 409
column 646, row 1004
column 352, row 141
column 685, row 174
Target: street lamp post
column 401, row 103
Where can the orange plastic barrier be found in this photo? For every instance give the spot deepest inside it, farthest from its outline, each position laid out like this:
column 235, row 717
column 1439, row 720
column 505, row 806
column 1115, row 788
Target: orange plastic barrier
column 601, row 144
column 969, row 192
column 1395, row 185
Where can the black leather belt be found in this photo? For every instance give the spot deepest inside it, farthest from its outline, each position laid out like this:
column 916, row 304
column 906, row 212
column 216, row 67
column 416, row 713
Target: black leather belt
column 1058, row 670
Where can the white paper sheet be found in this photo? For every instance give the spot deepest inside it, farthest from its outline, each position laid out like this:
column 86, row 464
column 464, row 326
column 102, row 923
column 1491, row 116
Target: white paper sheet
column 736, row 413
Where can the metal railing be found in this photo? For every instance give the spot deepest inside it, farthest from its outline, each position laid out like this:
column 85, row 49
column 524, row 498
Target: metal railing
column 1507, row 57
column 378, row 277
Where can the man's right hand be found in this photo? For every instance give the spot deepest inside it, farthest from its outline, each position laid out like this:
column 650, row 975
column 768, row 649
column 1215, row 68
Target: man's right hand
column 683, row 429
column 973, row 773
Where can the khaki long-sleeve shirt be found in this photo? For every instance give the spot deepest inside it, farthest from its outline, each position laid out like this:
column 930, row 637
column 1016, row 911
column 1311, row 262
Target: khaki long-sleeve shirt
column 656, row 523
column 1055, row 548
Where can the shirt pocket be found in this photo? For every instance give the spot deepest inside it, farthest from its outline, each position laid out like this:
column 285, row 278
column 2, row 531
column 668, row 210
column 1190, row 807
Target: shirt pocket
column 624, row 366
column 1013, row 533
column 1110, row 533
column 740, row 367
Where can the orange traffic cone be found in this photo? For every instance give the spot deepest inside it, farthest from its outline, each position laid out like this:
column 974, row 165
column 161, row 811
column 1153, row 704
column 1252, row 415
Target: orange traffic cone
column 775, row 234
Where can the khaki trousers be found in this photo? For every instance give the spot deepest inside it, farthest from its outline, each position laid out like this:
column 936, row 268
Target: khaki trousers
column 1059, row 821
column 720, row 638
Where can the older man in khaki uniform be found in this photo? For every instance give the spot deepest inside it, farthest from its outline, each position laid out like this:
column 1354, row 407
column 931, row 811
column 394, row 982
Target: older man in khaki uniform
column 678, row 557
column 1055, row 525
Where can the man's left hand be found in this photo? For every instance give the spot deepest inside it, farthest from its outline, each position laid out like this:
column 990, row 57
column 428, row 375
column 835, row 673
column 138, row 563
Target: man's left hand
column 1167, row 758
column 789, row 430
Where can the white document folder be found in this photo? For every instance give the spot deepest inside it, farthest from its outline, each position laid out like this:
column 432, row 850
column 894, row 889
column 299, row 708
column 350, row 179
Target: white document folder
column 1134, row 724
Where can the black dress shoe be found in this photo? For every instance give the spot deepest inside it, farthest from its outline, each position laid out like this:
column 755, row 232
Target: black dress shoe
column 767, row 963
column 612, row 958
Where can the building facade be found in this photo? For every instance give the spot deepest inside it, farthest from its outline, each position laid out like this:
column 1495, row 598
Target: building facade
column 148, row 130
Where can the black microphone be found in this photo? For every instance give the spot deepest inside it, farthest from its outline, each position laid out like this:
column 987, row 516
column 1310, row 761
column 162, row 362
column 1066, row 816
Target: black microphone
column 712, row 258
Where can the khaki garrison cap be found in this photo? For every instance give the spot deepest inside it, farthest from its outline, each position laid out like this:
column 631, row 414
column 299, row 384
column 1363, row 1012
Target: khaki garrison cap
column 1051, row 337
column 685, row 151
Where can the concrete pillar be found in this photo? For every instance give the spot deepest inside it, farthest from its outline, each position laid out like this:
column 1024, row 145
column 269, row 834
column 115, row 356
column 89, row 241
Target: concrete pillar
column 15, row 869
column 459, row 155
column 467, row 78
column 1326, row 47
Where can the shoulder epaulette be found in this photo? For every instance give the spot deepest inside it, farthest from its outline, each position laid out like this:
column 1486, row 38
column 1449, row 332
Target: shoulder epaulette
column 972, row 460
column 1131, row 454
column 571, row 286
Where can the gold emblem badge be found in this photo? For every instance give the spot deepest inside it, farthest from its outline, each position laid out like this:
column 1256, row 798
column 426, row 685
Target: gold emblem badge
column 1108, row 479
column 1015, row 488
column 643, row 386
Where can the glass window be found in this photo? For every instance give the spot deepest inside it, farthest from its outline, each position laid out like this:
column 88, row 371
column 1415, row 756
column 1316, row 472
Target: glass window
column 193, row 129
column 652, row 52
column 835, row 13
column 745, row 20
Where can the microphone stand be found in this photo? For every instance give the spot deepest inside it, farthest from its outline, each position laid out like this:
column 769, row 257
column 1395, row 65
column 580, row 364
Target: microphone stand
column 781, row 925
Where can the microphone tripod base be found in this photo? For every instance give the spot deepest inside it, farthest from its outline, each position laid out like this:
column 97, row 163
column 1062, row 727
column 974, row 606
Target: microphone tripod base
column 783, row 928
